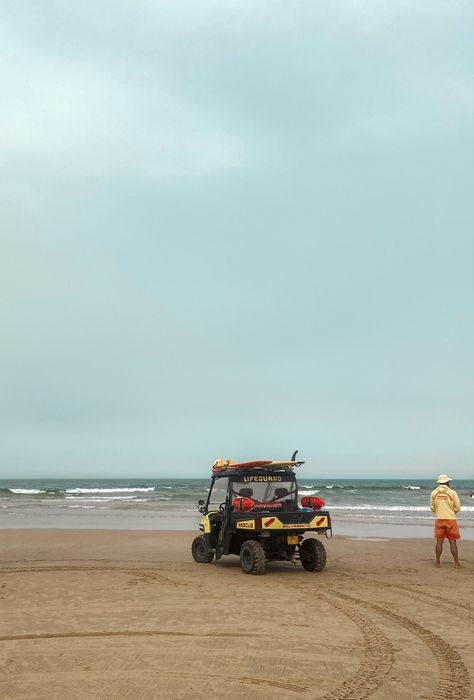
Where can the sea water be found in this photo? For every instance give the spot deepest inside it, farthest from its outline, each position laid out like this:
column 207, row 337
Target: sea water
column 388, row 507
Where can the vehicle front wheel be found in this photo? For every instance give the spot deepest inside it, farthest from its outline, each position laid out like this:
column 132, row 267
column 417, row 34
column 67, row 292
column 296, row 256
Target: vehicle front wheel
column 252, row 558
column 200, row 551
column 312, row 555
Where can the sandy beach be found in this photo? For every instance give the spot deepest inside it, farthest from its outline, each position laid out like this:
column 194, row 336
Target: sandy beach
column 128, row 614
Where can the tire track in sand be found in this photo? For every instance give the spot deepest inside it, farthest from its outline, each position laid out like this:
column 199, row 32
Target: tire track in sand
column 453, row 677
column 376, row 662
column 104, row 676
column 133, row 633
column 248, row 680
column 461, row 610
column 144, row 575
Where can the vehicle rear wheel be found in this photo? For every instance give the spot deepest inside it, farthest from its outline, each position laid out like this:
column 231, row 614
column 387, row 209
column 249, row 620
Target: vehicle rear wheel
column 201, row 552
column 313, row 555
column 252, row 558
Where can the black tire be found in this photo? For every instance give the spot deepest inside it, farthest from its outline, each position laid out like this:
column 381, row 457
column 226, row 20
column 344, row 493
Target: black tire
column 252, row 558
column 313, row 555
column 201, row 552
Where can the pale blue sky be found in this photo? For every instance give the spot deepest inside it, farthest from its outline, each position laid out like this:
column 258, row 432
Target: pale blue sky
column 236, row 229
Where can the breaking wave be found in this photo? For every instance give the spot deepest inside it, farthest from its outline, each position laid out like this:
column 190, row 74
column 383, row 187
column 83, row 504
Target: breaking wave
column 127, row 489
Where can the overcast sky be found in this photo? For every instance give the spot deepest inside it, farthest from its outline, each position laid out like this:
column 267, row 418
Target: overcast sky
column 234, row 229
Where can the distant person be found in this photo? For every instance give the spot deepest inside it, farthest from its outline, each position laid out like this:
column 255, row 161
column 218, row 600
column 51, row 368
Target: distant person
column 445, row 503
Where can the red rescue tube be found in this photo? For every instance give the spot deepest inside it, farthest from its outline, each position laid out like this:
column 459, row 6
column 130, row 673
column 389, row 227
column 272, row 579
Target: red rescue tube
column 312, row 502
column 243, row 504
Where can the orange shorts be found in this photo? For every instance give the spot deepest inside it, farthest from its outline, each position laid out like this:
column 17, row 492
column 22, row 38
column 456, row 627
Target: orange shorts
column 446, row 529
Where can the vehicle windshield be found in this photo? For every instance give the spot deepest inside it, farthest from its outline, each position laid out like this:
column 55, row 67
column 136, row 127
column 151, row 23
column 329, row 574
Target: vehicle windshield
column 264, row 491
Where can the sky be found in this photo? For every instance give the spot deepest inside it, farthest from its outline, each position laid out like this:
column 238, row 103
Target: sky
column 235, row 229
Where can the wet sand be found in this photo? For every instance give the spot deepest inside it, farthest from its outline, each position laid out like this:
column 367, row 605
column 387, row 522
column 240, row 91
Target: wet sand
column 50, row 518
column 128, row 614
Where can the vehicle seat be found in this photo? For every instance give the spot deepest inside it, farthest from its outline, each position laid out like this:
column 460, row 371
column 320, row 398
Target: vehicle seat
column 289, row 504
column 246, row 493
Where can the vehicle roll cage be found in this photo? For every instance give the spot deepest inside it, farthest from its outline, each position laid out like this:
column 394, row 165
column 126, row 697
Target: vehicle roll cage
column 238, row 474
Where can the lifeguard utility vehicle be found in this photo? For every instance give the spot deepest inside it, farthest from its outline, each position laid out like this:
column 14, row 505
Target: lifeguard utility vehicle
column 252, row 510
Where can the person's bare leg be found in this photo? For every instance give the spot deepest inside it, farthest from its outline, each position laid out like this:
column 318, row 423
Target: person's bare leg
column 438, row 550
column 454, row 552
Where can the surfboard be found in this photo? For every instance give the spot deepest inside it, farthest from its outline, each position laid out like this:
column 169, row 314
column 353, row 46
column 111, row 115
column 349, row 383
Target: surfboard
column 283, row 465
column 249, row 465
column 219, row 465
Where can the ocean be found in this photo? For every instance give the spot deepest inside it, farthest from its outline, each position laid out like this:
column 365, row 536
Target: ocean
column 371, row 507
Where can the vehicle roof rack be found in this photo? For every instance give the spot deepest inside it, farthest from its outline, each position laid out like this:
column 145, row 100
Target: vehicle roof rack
column 269, row 468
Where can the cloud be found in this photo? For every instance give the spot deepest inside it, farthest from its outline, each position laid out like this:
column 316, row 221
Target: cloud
column 78, row 119
column 234, row 222
column 168, row 91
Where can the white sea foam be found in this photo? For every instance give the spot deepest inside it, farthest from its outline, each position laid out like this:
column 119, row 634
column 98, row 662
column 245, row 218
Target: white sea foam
column 394, row 509
column 412, row 488
column 101, row 499
column 367, row 539
column 27, row 491
column 393, row 518
column 117, row 490
column 302, row 492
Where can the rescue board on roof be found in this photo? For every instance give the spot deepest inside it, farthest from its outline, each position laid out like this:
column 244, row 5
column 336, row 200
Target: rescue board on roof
column 284, row 465
column 220, row 465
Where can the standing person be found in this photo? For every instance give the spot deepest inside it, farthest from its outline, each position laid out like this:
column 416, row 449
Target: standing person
column 445, row 503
